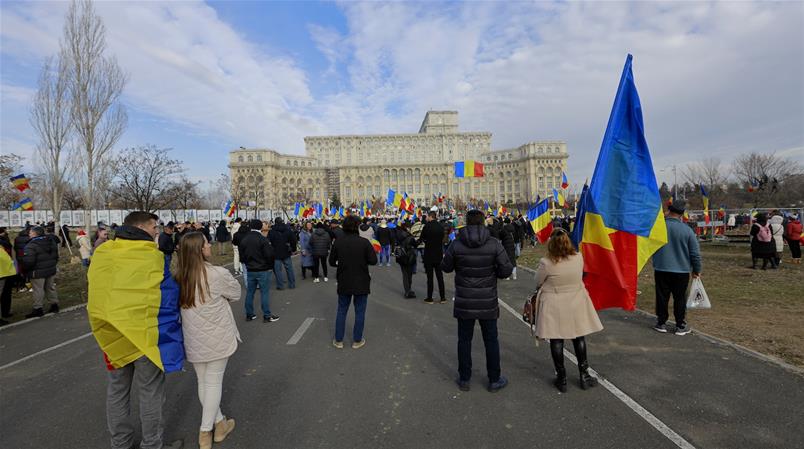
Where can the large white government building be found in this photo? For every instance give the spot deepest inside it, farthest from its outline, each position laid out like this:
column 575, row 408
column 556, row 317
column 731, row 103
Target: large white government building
column 355, row 167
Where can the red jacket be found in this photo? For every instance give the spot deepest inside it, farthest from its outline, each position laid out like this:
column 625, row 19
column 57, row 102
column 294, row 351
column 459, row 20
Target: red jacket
column 794, row 230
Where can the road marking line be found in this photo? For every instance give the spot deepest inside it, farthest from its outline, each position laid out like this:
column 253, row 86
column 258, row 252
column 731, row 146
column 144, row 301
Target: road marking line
column 300, row 331
column 28, row 320
column 657, row 424
column 45, row 351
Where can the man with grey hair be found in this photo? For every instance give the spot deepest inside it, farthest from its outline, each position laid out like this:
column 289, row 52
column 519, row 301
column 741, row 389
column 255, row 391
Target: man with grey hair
column 40, row 260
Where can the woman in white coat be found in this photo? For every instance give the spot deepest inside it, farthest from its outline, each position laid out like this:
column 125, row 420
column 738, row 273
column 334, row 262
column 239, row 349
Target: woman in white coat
column 210, row 333
column 777, row 231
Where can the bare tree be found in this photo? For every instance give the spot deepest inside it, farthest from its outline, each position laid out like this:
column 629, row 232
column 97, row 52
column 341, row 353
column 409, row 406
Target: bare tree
column 709, row 172
column 95, row 85
column 72, row 196
column 51, row 120
column 145, row 178
column 187, row 194
column 766, row 173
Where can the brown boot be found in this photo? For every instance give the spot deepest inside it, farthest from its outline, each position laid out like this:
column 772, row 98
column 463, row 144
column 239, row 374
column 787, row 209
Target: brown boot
column 223, row 428
column 205, row 439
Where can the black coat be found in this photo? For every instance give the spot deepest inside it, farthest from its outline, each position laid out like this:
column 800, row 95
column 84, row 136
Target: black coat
column 320, row 242
column 406, row 241
column 166, row 244
column 478, row 261
column 256, row 252
column 41, row 257
column 222, row 234
column 433, row 238
column 283, row 240
column 242, row 231
column 384, row 236
column 499, row 232
column 352, row 255
column 19, row 245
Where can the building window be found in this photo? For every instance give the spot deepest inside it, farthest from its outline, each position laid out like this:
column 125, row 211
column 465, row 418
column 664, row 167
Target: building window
column 239, row 158
column 259, row 158
column 250, row 159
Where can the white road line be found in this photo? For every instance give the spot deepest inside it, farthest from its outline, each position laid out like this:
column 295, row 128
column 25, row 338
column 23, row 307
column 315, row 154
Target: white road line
column 300, row 331
column 663, row 428
column 45, row 351
column 28, row 320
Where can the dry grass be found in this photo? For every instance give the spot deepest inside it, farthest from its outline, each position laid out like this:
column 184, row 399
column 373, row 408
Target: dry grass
column 758, row 309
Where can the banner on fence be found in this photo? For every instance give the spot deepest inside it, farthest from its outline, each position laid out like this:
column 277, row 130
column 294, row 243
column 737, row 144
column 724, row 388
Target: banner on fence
column 4, row 219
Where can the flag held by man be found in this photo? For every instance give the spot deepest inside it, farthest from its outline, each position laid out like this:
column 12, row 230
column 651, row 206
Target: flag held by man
column 540, row 221
column 622, row 223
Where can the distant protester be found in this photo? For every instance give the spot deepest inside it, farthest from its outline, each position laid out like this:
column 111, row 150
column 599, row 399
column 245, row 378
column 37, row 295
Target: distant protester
column 284, row 243
column 405, row 253
column 794, row 229
column 222, row 237
column 305, row 245
column 41, row 260
column 320, row 242
column 257, row 254
column 762, row 244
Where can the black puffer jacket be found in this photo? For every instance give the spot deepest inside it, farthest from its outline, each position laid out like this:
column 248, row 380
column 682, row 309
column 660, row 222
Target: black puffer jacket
column 478, row 261
column 41, row 257
column 283, row 240
column 222, row 234
column 433, row 238
column 499, row 232
column 352, row 255
column 256, row 252
column 242, row 231
column 384, row 236
column 320, row 242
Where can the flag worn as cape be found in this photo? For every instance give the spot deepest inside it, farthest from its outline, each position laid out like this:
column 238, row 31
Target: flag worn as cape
column 134, row 304
column 622, row 222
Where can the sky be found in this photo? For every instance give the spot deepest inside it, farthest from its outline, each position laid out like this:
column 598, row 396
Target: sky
column 716, row 79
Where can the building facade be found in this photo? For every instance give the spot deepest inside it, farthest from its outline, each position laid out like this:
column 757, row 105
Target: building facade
column 355, row 167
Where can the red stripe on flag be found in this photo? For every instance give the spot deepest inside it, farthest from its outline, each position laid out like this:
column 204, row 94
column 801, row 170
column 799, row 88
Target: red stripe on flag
column 544, row 234
column 478, row 170
column 611, row 276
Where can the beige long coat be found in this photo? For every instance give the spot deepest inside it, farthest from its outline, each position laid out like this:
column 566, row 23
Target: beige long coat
column 209, row 328
column 565, row 310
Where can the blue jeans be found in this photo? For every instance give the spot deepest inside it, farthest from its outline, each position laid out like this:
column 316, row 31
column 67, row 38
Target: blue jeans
column 245, row 274
column 418, row 253
column 263, row 278
column 280, row 278
column 360, row 316
column 385, row 254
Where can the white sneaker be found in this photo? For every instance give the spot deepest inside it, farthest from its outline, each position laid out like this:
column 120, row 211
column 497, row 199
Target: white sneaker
column 326, row 279
column 388, row 264
column 316, row 281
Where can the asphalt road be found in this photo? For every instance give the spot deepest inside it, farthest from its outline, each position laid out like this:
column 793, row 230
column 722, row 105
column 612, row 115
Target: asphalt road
column 399, row 391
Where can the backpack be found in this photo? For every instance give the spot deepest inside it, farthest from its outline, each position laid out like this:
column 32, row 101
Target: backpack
column 764, row 234
column 404, row 254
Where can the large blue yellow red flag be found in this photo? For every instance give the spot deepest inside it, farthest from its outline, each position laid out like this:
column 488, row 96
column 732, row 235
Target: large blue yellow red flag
column 20, row 182
column 558, row 197
column 705, row 201
column 622, row 222
column 393, row 198
column 24, row 204
column 133, row 304
column 468, row 169
column 540, row 221
column 564, row 181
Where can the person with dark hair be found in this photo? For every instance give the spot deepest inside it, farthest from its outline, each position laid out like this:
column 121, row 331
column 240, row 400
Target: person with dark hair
column 65, row 236
column 165, row 242
column 41, row 259
column 565, row 308
column 405, row 253
column 258, row 255
column 102, row 236
column 433, row 238
column 672, row 265
column 478, row 261
column 209, row 329
column 320, row 242
column 131, row 364
column 305, row 244
column 384, row 237
column 351, row 255
column 366, row 230
column 284, row 242
column 510, row 229
column 222, row 237
column 762, row 245
column 502, row 234
column 335, row 231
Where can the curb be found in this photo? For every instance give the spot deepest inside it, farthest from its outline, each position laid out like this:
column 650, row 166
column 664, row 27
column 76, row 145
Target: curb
column 722, row 342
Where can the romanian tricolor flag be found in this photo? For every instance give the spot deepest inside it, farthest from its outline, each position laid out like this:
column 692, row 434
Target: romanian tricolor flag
column 468, row 169
column 393, row 198
column 564, row 182
column 559, row 199
column 229, row 208
column 501, row 211
column 540, row 221
column 134, row 305
column 620, row 217
column 24, row 204
column 376, row 245
column 20, row 182
column 705, row 201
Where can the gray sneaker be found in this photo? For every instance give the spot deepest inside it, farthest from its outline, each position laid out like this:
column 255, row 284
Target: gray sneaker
column 660, row 328
column 684, row 329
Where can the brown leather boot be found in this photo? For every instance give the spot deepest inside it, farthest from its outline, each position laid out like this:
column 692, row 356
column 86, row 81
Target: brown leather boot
column 223, row 428
column 205, row 439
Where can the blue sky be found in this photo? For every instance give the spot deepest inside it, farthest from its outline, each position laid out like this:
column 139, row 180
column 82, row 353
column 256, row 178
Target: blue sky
column 716, row 79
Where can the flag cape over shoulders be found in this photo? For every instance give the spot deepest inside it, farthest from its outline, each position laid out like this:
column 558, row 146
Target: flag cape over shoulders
column 134, row 305
column 620, row 215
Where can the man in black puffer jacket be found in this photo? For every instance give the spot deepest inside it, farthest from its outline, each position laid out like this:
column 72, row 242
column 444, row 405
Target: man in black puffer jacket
column 40, row 260
column 509, row 228
column 320, row 242
column 284, row 242
column 257, row 254
column 478, row 261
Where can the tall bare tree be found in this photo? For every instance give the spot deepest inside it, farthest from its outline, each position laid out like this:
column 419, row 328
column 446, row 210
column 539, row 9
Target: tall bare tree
column 711, row 173
column 767, row 172
column 96, row 82
column 52, row 122
column 146, row 178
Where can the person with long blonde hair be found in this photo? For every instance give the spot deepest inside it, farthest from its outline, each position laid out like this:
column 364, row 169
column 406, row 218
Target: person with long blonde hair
column 564, row 308
column 210, row 332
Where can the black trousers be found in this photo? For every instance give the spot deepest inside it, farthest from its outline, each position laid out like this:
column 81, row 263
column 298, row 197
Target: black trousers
column 466, row 330
column 430, row 268
column 407, row 277
column 322, row 260
column 668, row 283
column 795, row 248
column 5, row 295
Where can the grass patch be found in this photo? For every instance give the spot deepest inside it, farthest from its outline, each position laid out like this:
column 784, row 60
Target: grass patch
column 757, row 309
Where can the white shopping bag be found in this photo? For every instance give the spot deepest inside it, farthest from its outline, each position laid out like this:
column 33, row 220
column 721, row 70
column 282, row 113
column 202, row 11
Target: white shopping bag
column 698, row 299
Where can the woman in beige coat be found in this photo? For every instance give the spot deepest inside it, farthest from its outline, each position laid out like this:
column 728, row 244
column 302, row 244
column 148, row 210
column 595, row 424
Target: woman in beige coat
column 565, row 310
column 210, row 333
